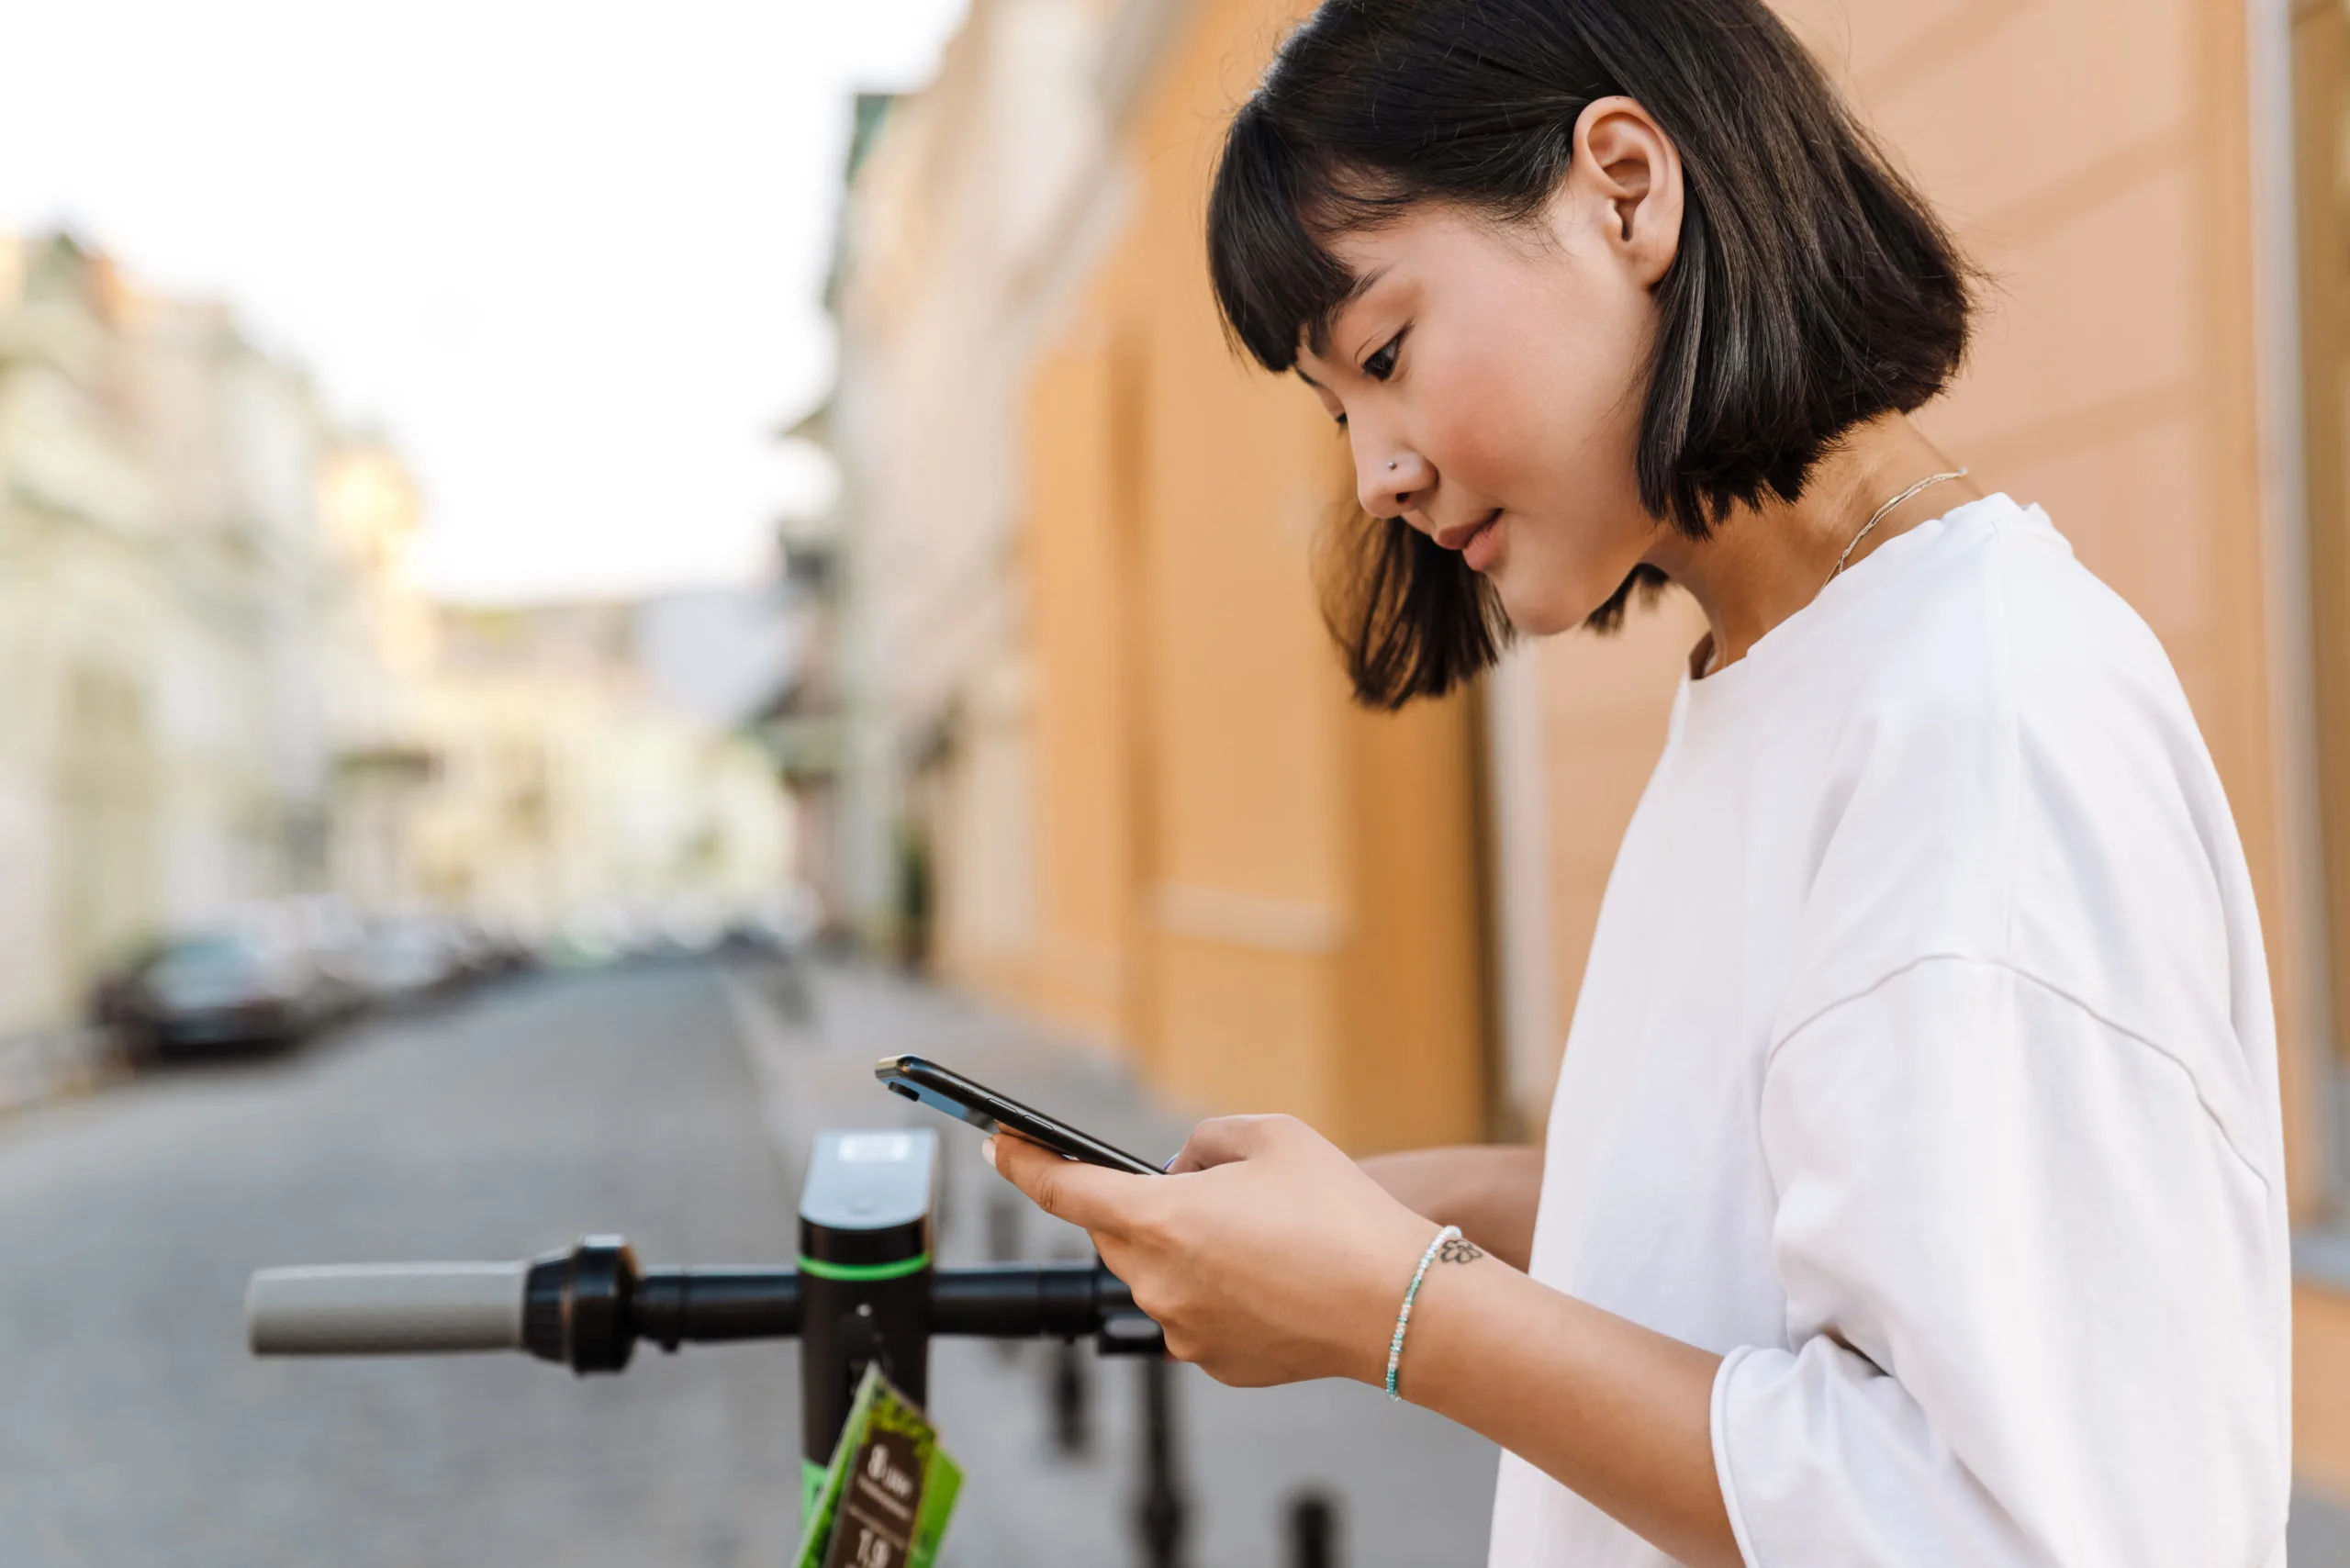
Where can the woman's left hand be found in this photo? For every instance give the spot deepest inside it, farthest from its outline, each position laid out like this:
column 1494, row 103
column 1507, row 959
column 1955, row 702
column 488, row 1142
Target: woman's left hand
column 1266, row 1254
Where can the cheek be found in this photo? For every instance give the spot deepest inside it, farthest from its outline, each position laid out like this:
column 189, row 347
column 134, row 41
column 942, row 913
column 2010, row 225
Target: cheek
column 1532, row 412
column 1556, row 446
column 1491, row 430
column 1585, row 394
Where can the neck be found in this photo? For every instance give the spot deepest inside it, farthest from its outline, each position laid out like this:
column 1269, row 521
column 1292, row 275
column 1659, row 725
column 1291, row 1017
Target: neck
column 1763, row 565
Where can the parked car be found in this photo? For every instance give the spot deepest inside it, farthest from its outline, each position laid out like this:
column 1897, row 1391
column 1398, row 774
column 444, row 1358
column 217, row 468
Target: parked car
column 487, row 952
column 116, row 996
column 213, row 989
column 409, row 958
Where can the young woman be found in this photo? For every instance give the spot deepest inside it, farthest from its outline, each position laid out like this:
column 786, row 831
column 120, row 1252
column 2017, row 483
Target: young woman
column 1913, row 1192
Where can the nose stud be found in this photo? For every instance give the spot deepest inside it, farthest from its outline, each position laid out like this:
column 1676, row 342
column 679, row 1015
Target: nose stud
column 1390, row 465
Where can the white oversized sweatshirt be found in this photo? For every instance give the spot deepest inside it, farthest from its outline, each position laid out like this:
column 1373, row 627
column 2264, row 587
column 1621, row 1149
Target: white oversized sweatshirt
column 1924, row 1069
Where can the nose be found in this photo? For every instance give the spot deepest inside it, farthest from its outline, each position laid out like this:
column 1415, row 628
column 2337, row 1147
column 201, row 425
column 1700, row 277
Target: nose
column 1388, row 478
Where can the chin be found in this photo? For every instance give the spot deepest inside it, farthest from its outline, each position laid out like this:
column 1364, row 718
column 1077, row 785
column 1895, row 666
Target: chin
column 1543, row 599
column 1535, row 613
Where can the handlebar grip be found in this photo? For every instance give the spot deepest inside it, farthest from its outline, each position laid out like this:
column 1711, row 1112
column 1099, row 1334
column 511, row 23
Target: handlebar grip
column 390, row 1309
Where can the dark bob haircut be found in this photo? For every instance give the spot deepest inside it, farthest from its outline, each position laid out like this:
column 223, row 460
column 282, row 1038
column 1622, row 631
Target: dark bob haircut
column 1812, row 289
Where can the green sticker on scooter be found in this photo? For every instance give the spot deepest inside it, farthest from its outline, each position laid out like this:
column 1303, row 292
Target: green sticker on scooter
column 885, row 1500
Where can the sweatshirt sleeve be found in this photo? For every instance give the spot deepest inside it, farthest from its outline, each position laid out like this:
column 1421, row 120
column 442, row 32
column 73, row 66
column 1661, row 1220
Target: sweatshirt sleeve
column 2031, row 1315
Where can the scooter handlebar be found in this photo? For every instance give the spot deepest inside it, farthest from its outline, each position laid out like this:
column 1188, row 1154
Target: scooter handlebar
column 587, row 1306
column 367, row 1309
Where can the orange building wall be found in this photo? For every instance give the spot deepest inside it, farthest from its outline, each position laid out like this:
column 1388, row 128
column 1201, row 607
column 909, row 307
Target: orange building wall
column 1272, row 896
column 2322, row 1389
column 2322, row 115
column 1079, row 612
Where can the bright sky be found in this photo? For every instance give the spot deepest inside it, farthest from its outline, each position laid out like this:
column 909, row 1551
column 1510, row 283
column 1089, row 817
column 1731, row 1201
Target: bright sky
column 566, row 256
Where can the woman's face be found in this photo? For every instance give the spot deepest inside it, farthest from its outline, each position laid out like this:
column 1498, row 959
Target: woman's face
column 1488, row 379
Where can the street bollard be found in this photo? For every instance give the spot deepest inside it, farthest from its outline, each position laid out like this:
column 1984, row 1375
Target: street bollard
column 1312, row 1531
column 1163, row 1515
column 1003, row 1243
column 1072, row 1402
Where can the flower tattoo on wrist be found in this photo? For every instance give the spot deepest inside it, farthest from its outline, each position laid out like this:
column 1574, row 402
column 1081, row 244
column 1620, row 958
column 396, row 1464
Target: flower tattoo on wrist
column 1459, row 1249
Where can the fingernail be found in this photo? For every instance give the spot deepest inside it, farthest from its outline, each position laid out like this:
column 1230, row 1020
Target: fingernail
column 987, row 1150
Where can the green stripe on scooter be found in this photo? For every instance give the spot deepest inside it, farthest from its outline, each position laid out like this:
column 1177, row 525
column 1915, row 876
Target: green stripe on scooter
column 865, row 1272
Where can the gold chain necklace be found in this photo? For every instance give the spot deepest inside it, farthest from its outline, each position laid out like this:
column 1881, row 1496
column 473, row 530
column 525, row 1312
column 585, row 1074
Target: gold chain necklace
column 1878, row 516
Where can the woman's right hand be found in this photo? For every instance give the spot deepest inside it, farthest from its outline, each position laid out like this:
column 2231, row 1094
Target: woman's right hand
column 1490, row 1190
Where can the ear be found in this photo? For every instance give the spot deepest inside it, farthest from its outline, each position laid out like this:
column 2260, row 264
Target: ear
column 1627, row 172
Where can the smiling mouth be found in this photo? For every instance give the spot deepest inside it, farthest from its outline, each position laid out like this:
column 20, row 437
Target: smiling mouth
column 1458, row 536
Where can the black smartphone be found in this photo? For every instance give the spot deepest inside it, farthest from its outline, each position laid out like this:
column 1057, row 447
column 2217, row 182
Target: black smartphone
column 942, row 1088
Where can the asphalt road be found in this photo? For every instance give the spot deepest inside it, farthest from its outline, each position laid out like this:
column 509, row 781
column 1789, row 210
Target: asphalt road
column 134, row 1429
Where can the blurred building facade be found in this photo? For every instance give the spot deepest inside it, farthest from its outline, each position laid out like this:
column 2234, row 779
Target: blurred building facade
column 226, row 691
column 568, row 799
column 164, row 753
column 375, row 655
column 1086, row 670
column 803, row 720
column 1121, row 779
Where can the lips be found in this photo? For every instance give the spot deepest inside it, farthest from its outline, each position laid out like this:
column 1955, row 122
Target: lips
column 1478, row 542
column 1457, row 537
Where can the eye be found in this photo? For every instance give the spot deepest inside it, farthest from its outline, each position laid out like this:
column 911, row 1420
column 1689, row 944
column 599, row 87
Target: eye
column 1381, row 364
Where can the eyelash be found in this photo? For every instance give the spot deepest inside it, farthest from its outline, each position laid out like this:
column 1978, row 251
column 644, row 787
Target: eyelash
column 1374, row 369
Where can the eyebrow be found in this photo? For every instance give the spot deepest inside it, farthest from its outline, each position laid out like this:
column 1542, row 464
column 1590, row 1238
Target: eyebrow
column 1317, row 337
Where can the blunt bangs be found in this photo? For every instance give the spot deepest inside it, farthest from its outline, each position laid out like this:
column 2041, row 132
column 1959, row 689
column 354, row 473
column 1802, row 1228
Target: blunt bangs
column 1273, row 281
column 1813, row 288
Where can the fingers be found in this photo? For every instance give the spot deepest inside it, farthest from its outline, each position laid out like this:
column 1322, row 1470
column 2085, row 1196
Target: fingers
column 1220, row 1140
column 1085, row 1195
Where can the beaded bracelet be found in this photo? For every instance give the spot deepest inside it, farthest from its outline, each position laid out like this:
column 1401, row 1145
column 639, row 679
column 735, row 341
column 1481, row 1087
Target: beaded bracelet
column 1403, row 1318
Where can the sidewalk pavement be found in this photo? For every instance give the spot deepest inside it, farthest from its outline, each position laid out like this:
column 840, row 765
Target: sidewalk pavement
column 40, row 1065
column 1412, row 1490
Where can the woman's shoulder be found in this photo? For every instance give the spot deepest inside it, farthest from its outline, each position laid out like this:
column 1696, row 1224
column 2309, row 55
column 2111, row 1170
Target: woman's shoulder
column 2070, row 636
column 2020, row 778
column 1997, row 640
column 1997, row 615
